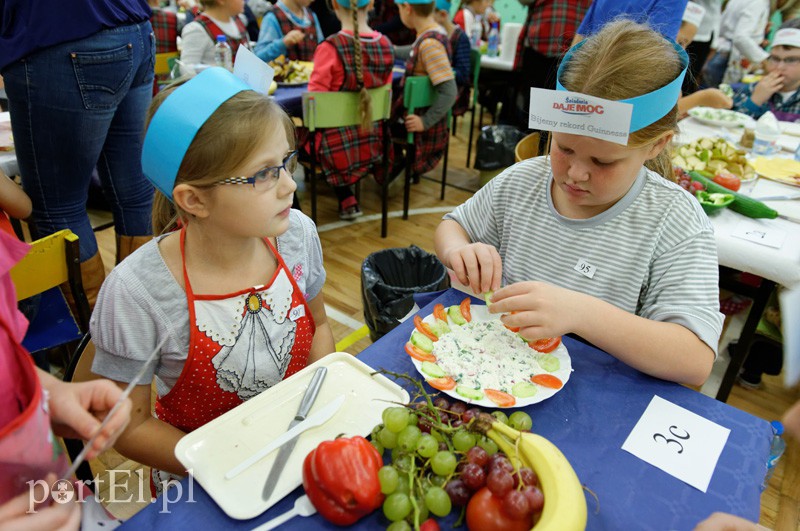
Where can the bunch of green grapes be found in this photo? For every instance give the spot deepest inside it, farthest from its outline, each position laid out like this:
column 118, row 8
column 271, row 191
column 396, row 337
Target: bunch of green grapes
column 436, row 461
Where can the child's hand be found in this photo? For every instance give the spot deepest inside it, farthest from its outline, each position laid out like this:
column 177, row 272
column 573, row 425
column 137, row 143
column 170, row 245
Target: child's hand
column 478, row 266
column 414, row 124
column 76, row 410
column 14, row 513
column 293, row 37
column 539, row 309
column 769, row 85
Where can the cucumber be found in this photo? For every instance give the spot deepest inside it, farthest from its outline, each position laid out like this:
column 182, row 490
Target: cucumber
column 469, row 392
column 432, row 370
column 454, row 313
column 421, row 341
column 549, row 363
column 439, row 327
column 742, row 204
column 524, row 389
column 488, row 297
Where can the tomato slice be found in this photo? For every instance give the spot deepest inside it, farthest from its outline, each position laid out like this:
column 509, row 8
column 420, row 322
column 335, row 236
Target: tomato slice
column 547, row 380
column 546, row 344
column 500, row 398
column 514, row 329
column 440, row 313
column 418, row 354
column 728, row 180
column 465, row 309
column 424, row 329
column 445, row 383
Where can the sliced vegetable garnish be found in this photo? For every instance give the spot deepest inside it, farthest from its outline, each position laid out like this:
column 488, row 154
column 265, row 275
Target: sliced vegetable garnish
column 524, row 389
column 432, row 370
column 439, row 312
column 549, row 363
column 546, row 344
column 454, row 312
column 421, row 341
column 424, row 328
column 439, row 327
column 514, row 329
column 465, row 309
column 488, row 297
column 418, row 354
column 547, row 380
column 445, row 383
column 469, row 392
column 500, row 398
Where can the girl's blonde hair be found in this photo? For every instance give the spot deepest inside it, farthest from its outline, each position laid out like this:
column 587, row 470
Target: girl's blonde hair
column 624, row 60
column 226, row 140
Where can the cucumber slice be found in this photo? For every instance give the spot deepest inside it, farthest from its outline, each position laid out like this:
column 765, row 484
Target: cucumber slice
column 454, row 313
column 469, row 392
column 432, row 370
column 421, row 341
column 439, row 327
column 487, row 297
column 524, row 389
column 549, row 363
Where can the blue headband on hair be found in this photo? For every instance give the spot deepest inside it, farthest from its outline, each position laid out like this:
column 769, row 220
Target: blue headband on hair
column 348, row 5
column 647, row 108
column 443, row 5
column 176, row 122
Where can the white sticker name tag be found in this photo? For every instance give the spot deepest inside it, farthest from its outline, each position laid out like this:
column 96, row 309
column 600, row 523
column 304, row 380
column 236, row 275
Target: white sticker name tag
column 694, row 14
column 760, row 233
column 585, row 268
column 297, row 312
column 579, row 114
column 252, row 70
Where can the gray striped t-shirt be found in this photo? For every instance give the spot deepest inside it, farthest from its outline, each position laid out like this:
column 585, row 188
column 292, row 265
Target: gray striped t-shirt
column 654, row 250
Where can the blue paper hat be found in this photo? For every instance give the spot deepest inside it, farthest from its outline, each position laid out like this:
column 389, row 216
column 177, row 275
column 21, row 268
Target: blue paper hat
column 413, row 1
column 359, row 3
column 443, row 5
column 177, row 120
column 647, row 108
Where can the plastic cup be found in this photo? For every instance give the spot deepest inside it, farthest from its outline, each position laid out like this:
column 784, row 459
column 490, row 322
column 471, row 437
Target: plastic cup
column 765, row 143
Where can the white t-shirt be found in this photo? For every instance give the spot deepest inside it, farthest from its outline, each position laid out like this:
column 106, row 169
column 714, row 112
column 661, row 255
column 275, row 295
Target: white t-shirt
column 197, row 47
column 654, row 250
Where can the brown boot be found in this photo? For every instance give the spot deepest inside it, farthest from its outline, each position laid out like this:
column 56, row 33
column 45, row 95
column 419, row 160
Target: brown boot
column 92, row 275
column 127, row 244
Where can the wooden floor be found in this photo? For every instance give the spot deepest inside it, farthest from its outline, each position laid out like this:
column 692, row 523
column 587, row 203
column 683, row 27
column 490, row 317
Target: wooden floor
column 345, row 246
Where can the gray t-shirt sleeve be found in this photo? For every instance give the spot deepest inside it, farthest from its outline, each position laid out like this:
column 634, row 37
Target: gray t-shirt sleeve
column 446, row 94
column 302, row 252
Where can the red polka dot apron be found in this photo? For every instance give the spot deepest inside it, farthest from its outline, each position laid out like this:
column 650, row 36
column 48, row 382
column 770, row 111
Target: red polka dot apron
column 240, row 344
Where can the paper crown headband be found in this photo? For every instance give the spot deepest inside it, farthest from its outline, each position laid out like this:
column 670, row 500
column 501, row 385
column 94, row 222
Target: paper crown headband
column 413, row 1
column 347, row 4
column 576, row 113
column 443, row 5
column 177, row 120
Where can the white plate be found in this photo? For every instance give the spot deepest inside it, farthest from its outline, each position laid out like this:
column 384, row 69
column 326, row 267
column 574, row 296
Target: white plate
column 720, row 117
column 480, row 312
column 211, row 450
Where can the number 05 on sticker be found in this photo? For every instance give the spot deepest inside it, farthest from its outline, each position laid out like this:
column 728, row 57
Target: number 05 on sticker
column 679, row 442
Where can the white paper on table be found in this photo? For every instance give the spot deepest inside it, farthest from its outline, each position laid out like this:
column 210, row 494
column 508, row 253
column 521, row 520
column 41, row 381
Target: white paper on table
column 790, row 317
column 678, row 441
column 756, row 233
column 252, row 70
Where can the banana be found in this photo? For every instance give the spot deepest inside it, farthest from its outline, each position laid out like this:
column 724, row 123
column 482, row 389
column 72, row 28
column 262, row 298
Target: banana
column 564, row 501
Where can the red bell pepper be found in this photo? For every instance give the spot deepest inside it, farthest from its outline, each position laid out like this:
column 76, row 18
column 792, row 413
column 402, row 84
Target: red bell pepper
column 341, row 479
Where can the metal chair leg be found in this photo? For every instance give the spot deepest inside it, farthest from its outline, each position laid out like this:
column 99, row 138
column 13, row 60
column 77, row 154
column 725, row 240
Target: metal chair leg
column 480, row 125
column 313, row 180
column 471, row 133
column 410, row 156
column 444, row 169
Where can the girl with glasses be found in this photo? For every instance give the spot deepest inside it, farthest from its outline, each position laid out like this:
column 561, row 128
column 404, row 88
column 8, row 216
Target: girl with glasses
column 232, row 298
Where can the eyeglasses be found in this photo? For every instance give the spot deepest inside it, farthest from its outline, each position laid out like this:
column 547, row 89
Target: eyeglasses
column 788, row 61
column 267, row 177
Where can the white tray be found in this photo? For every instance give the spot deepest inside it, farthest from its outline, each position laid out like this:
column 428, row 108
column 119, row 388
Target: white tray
column 213, row 449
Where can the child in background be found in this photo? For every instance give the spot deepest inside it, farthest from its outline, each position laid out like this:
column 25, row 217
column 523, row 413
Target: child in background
column 591, row 239
column 14, row 202
column 470, row 18
column 233, row 299
column 351, row 60
column 219, row 17
column 459, row 45
column 430, row 56
column 291, row 30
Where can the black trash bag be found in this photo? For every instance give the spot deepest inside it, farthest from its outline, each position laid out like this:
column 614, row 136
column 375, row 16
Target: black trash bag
column 389, row 280
column 496, row 144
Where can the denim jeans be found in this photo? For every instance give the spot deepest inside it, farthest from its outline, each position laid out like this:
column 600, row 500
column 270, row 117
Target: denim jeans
column 80, row 105
column 715, row 70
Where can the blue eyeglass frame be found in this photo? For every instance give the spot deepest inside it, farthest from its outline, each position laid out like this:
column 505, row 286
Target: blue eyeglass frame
column 274, row 171
column 784, row 60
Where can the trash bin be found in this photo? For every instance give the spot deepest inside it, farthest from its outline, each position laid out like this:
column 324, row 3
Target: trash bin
column 495, row 149
column 389, row 279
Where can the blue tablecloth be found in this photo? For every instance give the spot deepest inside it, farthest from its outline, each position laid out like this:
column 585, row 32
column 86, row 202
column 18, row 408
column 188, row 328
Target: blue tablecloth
column 588, row 420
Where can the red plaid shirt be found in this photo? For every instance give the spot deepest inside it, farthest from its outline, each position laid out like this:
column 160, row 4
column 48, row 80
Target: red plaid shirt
column 165, row 28
column 551, row 26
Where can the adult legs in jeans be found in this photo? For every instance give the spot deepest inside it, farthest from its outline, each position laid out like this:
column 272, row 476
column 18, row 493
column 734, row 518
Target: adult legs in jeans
column 75, row 106
column 715, row 70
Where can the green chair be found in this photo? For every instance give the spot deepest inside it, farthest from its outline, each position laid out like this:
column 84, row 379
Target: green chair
column 475, row 63
column 418, row 93
column 324, row 110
